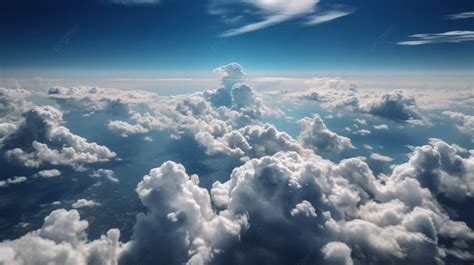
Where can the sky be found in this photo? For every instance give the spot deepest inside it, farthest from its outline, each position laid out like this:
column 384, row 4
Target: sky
column 188, row 38
column 208, row 132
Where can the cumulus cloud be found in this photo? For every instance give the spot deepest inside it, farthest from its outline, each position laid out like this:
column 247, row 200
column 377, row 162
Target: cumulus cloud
column 211, row 115
column 180, row 226
column 315, row 135
column 456, row 36
column 381, row 127
column 379, row 157
column 81, row 203
column 61, row 240
column 341, row 209
column 439, row 167
column 105, row 173
column 340, row 94
column 252, row 141
column 42, row 139
column 49, row 173
column 337, row 253
column 464, row 123
column 393, row 105
column 125, row 129
column 116, row 102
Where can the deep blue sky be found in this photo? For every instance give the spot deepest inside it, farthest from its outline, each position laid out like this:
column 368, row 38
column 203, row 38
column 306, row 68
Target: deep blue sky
column 182, row 36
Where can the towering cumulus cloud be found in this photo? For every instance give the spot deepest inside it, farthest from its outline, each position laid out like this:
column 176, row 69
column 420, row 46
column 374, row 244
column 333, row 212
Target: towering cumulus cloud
column 290, row 208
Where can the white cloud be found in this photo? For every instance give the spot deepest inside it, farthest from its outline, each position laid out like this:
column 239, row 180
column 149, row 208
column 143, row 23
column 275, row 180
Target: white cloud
column 337, row 253
column 327, row 16
column 125, row 129
column 379, row 157
column 42, row 139
column 361, row 121
column 61, row 240
column 362, row 132
column 14, row 180
column 49, row 173
column 439, row 167
column 81, row 203
column 457, row 36
column 464, row 123
column 381, row 127
column 462, row 15
column 105, row 173
column 304, row 208
column 335, row 93
column 269, row 13
column 315, row 135
column 181, row 226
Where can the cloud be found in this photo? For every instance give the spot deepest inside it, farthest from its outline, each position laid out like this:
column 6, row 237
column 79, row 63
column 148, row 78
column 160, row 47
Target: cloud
column 327, row 16
column 335, row 93
column 439, row 167
column 81, row 203
column 269, row 13
column 49, row 173
column 181, row 225
column 379, row 157
column 337, row 253
column 61, row 240
column 315, row 135
column 457, row 36
column 14, row 180
column 105, row 173
column 125, row 129
column 462, row 15
column 41, row 138
column 381, row 127
column 393, row 105
column 464, row 123
column 251, row 141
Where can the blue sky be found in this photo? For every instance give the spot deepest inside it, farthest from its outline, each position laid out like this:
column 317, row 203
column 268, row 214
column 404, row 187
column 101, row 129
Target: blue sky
column 269, row 36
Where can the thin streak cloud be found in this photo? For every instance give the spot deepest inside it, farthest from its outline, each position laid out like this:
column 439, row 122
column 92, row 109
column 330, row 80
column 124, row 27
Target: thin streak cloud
column 445, row 37
column 463, row 15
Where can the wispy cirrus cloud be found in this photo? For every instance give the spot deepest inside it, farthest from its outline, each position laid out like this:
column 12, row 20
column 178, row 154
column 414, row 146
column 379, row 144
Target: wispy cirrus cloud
column 267, row 13
column 328, row 16
column 456, row 36
column 463, row 15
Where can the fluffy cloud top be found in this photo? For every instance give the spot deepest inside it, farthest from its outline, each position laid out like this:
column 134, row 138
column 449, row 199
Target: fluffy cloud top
column 125, row 129
column 464, row 123
column 341, row 209
column 81, row 203
column 61, row 240
column 315, row 135
column 42, row 139
column 49, row 173
column 439, row 167
column 335, row 93
column 379, row 157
